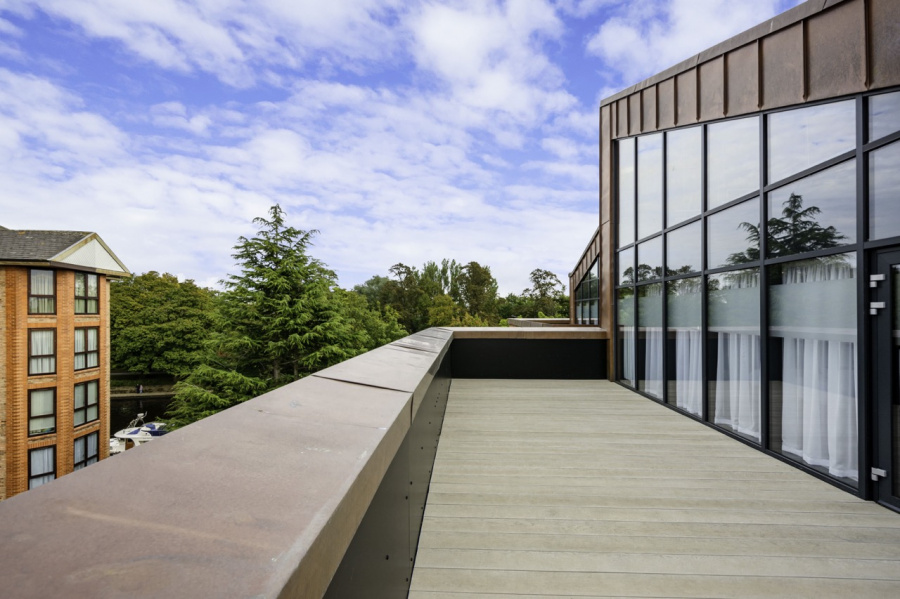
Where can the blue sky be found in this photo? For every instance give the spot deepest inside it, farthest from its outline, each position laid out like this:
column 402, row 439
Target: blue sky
column 403, row 131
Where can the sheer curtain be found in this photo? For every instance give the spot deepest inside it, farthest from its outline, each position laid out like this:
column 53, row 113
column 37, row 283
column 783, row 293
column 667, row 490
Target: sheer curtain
column 42, row 350
column 41, row 284
column 734, row 316
column 42, row 419
column 41, row 464
column 819, row 388
column 689, row 370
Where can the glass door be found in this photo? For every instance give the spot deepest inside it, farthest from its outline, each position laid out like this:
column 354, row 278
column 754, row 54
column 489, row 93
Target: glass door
column 884, row 310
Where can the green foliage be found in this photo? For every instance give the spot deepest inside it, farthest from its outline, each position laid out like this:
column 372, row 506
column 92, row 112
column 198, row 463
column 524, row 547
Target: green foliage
column 546, row 298
column 478, row 292
column 158, row 324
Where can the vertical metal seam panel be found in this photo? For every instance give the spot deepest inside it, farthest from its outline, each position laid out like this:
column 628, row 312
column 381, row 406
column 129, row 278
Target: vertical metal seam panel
column 865, row 423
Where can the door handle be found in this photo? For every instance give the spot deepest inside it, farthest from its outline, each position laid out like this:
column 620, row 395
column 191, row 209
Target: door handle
column 874, row 307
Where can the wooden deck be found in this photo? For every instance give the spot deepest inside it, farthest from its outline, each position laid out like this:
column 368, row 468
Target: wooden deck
column 584, row 489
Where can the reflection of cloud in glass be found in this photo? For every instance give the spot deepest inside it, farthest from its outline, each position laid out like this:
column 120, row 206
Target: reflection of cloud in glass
column 828, row 202
column 626, row 191
column 728, row 236
column 732, row 164
column 884, row 115
column 683, row 174
column 650, row 162
column 884, row 192
column 799, row 139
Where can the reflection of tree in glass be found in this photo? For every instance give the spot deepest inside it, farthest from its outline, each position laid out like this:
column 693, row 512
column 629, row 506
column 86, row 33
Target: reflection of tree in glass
column 645, row 272
column 797, row 231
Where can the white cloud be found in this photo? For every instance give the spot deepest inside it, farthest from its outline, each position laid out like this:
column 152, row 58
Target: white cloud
column 647, row 36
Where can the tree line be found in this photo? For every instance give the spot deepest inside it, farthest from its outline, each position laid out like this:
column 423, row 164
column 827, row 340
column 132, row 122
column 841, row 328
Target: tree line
column 283, row 316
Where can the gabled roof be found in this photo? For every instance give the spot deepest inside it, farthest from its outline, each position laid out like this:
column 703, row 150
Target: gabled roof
column 82, row 250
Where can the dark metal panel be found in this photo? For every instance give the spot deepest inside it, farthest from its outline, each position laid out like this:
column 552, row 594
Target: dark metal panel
column 783, row 73
column 665, row 108
column 528, row 358
column 712, row 89
column 884, row 43
column 622, row 117
column 634, row 114
column 686, row 100
column 837, row 51
column 742, row 80
column 648, row 100
column 605, row 164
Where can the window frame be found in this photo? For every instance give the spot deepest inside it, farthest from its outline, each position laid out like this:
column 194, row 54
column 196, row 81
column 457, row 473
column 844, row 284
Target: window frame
column 87, row 459
column 86, row 353
column 87, row 298
column 53, row 413
column 32, row 295
column 32, row 476
column 87, row 404
column 31, row 355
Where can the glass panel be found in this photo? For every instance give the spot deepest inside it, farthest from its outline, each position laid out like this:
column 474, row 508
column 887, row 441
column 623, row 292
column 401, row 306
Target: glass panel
column 79, row 340
column 42, row 350
column 92, row 335
column 41, row 402
column 683, row 249
column 92, row 285
column 650, row 339
column 814, row 213
column 650, row 259
column 801, row 138
column 733, row 351
column 79, row 449
column 683, row 174
column 812, row 363
column 732, row 160
column 895, row 404
column 884, row 115
column 92, row 392
column 80, row 287
column 595, row 311
column 626, row 267
column 625, row 307
column 650, row 180
column 41, row 466
column 884, row 189
column 92, row 413
column 79, row 396
column 41, row 285
column 684, row 342
column 626, row 191
column 733, row 235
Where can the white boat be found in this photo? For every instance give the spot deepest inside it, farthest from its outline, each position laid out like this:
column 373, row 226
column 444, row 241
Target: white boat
column 136, row 433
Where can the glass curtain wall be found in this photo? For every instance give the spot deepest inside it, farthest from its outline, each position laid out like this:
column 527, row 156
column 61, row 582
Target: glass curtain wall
column 739, row 244
column 587, row 297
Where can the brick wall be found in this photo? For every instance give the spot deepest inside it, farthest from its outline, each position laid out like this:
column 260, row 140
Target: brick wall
column 19, row 322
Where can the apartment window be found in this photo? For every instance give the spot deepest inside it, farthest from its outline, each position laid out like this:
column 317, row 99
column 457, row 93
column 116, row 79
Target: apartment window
column 86, row 450
column 87, row 348
column 41, row 466
column 41, row 291
column 42, row 351
column 87, row 402
column 41, row 411
column 87, row 293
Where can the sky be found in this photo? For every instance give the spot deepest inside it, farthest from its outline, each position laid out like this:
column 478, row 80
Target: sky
column 402, row 131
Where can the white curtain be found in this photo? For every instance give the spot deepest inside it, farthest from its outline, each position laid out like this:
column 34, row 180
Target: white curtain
column 737, row 383
column 41, row 284
column 819, row 399
column 93, row 404
column 92, row 452
column 42, row 461
column 628, row 354
column 42, row 349
column 41, row 405
column 92, row 348
column 79, row 448
column 653, row 365
column 689, row 370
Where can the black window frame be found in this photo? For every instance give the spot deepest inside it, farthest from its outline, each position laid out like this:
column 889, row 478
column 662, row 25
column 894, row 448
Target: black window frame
column 32, row 476
column 32, row 355
column 88, row 460
column 32, row 416
column 51, row 296
column 87, row 298
column 86, row 353
column 87, row 404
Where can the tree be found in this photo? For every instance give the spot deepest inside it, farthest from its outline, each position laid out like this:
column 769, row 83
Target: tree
column 158, row 324
column 278, row 320
column 478, row 292
column 545, row 294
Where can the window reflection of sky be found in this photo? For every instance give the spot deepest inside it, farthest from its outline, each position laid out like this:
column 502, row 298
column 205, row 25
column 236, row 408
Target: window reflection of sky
column 626, row 191
column 802, row 138
column 833, row 193
column 728, row 237
column 650, row 163
column 683, row 174
column 884, row 192
column 683, row 249
column 884, row 115
column 732, row 160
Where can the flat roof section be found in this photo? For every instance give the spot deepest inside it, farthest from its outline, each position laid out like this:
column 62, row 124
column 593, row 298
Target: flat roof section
column 583, row 488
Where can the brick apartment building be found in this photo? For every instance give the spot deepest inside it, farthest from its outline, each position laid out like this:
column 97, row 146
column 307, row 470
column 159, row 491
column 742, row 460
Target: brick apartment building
column 54, row 354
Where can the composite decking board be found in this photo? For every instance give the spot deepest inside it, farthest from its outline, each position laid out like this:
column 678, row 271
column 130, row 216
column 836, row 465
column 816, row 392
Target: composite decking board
column 584, row 489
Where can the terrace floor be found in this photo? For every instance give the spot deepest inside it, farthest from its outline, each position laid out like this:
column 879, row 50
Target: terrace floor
column 584, row 489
